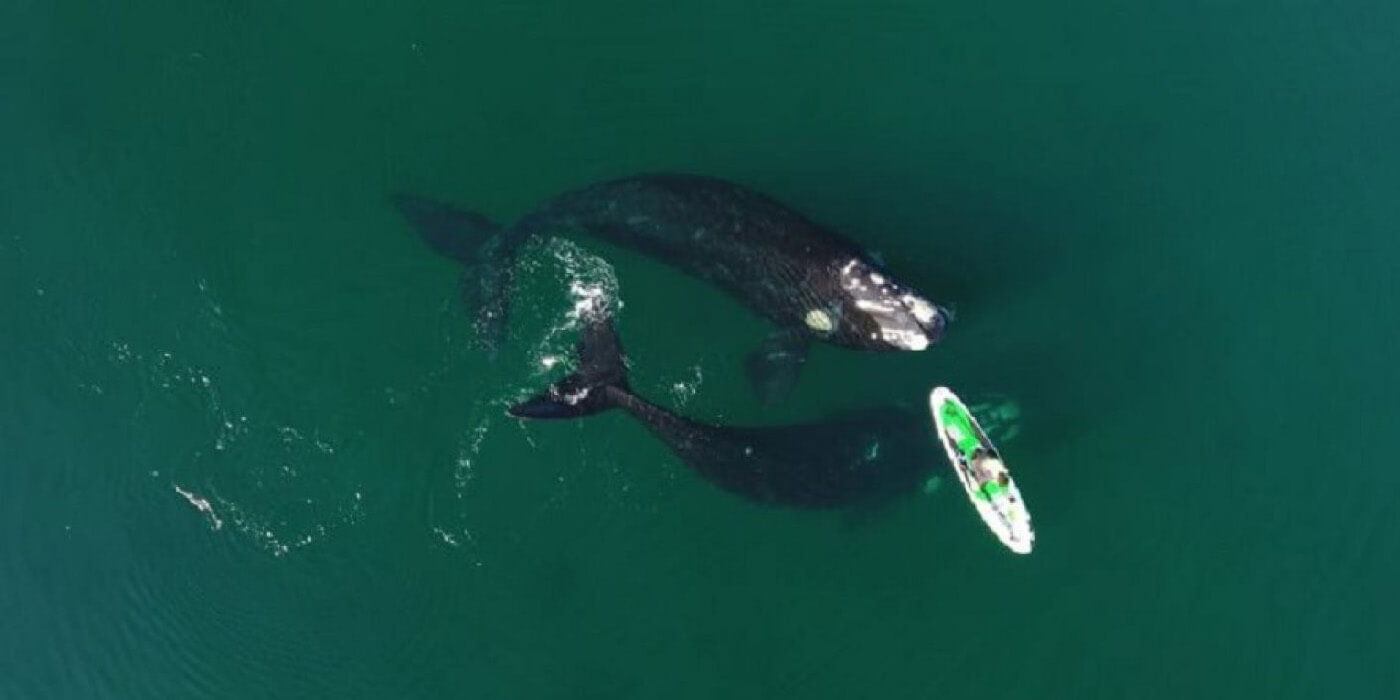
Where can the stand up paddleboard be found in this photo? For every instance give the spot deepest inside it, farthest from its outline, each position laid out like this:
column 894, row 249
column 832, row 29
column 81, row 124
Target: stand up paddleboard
column 983, row 475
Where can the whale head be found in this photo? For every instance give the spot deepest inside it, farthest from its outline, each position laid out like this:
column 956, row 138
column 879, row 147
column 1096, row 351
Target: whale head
column 879, row 314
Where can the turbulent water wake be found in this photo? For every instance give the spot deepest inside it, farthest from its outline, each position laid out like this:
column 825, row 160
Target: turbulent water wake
column 275, row 483
column 559, row 282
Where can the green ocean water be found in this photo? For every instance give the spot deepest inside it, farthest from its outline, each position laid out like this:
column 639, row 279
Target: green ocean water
column 247, row 449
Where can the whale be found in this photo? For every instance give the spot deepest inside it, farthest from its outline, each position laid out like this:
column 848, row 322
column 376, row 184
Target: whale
column 813, row 284
column 848, row 460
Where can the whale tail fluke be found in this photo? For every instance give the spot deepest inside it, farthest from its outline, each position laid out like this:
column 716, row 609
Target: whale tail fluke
column 449, row 231
column 599, row 384
column 484, row 249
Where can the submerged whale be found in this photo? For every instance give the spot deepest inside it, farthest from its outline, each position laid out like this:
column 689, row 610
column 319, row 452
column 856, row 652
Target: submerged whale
column 850, row 459
column 811, row 283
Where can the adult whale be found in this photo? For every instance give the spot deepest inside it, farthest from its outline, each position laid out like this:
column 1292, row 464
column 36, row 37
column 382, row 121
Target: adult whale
column 857, row 458
column 812, row 283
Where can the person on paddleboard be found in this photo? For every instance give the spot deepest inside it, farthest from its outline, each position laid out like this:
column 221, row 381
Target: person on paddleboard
column 990, row 473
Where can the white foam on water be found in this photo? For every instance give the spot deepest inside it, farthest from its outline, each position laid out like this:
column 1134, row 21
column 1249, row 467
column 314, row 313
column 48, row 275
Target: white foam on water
column 561, row 284
column 592, row 288
column 202, row 505
column 684, row 390
column 268, row 480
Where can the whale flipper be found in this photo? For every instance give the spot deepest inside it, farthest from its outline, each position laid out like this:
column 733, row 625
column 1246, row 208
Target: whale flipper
column 773, row 367
column 482, row 247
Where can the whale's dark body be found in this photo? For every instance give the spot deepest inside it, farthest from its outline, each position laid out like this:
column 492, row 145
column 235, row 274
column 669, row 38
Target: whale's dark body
column 772, row 259
column 812, row 283
column 860, row 457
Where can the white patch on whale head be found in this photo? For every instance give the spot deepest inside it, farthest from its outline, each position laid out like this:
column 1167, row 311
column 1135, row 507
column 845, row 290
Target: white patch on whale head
column 874, row 306
column 904, row 338
column 904, row 320
column 922, row 310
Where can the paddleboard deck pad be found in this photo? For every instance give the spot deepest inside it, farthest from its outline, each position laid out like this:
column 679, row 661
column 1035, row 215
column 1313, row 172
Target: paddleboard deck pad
column 981, row 471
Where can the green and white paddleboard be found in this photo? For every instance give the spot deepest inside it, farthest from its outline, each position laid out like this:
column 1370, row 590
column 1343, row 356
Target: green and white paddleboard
column 981, row 471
